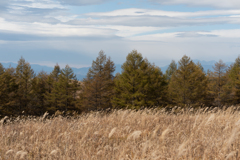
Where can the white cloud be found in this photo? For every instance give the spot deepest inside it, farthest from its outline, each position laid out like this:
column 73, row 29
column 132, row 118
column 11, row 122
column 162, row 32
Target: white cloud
column 128, row 31
column 155, row 21
column 38, row 4
column 170, row 47
column 3, row 42
column 195, row 34
column 141, row 29
column 32, row 11
column 82, row 2
column 64, row 18
column 44, row 29
column 149, row 12
column 160, row 50
column 126, row 23
column 232, row 33
column 208, row 3
column 159, row 18
column 168, row 37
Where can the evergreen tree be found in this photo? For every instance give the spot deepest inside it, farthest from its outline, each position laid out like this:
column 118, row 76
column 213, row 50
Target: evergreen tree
column 51, row 94
column 200, row 66
column 8, row 90
column 1, row 69
column 171, row 69
column 56, row 72
column 98, row 86
column 67, row 88
column 232, row 87
column 24, row 77
column 63, row 94
column 236, row 90
column 39, row 89
column 188, row 84
column 129, row 84
column 140, row 83
column 217, row 80
column 155, row 88
column 108, row 83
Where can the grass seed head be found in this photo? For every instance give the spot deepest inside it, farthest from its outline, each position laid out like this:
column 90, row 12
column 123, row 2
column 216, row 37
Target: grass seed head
column 112, row 132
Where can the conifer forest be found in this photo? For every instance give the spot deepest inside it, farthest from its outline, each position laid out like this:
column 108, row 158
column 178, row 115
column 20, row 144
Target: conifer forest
column 140, row 113
column 140, row 85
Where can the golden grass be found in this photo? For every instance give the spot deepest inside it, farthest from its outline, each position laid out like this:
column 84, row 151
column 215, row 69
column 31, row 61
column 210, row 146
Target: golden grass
column 125, row 134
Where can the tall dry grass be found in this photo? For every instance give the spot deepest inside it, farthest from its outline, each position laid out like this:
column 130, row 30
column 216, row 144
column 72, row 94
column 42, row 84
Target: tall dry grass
column 125, row 134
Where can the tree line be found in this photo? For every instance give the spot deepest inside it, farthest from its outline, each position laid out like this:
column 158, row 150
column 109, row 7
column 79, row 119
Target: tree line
column 140, row 84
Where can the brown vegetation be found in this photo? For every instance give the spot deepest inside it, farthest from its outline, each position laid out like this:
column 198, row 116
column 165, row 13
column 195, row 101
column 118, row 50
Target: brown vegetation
column 125, row 134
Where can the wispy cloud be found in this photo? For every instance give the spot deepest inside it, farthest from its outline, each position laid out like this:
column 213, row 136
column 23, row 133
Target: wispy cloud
column 48, row 28
column 83, row 2
column 207, row 3
column 195, row 34
column 151, row 12
column 160, row 18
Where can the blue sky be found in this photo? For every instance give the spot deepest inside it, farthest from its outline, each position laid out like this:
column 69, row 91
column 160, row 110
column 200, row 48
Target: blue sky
column 72, row 32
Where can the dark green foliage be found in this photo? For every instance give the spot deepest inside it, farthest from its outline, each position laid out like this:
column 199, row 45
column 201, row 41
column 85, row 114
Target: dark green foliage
column 51, row 92
column 155, row 86
column 140, row 83
column 39, row 89
column 188, row 84
column 61, row 94
column 232, row 86
column 1, row 69
column 217, row 79
column 67, row 87
column 98, row 86
column 171, row 69
column 8, row 92
column 24, row 77
column 56, row 72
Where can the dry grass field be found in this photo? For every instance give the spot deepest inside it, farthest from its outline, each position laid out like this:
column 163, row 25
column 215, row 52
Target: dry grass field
column 125, row 134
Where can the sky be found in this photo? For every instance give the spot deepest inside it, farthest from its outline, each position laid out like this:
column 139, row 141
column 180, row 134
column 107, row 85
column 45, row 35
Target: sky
column 73, row 32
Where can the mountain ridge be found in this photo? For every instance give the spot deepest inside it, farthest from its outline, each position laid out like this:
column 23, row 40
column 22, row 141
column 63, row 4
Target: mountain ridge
column 82, row 72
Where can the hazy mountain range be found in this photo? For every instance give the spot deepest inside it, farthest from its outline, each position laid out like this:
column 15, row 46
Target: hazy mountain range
column 82, row 72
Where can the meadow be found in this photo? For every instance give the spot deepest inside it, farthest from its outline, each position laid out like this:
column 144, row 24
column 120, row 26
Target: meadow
column 125, row 135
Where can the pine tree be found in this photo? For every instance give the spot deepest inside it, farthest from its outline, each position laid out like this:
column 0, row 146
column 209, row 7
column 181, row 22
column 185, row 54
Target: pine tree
column 232, row 87
column 155, row 88
column 67, row 88
column 1, row 69
column 236, row 90
column 108, row 81
column 98, row 86
column 51, row 94
column 200, row 66
column 217, row 81
column 140, row 83
column 129, row 84
column 8, row 90
column 24, row 75
column 188, row 84
column 210, row 97
column 63, row 94
column 56, row 72
column 39, row 88
column 170, row 70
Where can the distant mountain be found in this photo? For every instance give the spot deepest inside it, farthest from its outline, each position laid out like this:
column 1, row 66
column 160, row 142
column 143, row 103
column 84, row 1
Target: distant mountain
column 208, row 65
column 37, row 68
column 82, row 72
